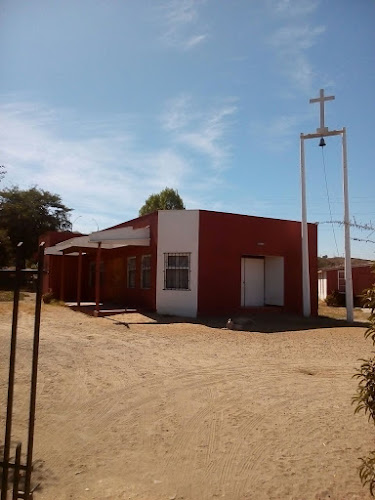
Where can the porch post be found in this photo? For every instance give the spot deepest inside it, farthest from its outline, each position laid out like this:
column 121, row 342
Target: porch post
column 97, row 279
column 62, row 278
column 79, row 279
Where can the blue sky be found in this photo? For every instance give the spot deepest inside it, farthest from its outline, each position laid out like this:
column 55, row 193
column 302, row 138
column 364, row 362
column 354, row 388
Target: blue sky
column 107, row 101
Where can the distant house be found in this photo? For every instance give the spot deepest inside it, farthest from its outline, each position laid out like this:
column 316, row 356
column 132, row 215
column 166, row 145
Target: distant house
column 185, row 262
column 332, row 279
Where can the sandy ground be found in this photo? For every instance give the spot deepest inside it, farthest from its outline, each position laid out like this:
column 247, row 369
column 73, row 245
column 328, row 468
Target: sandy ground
column 133, row 407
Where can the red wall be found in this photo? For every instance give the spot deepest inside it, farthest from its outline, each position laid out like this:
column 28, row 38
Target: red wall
column 225, row 238
column 137, row 296
column 114, row 278
column 332, row 281
column 51, row 278
column 363, row 277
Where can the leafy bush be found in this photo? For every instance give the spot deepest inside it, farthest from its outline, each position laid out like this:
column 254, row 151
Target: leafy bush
column 368, row 298
column 365, row 396
column 335, row 299
column 367, row 472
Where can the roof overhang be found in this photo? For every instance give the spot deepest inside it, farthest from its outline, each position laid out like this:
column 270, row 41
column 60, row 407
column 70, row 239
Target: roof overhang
column 124, row 236
column 108, row 240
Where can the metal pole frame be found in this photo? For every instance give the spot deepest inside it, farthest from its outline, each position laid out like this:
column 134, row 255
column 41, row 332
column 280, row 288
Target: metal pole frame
column 12, row 365
column 16, row 477
column 348, row 260
column 17, row 466
column 305, row 249
column 34, row 371
column 97, row 279
column 305, row 238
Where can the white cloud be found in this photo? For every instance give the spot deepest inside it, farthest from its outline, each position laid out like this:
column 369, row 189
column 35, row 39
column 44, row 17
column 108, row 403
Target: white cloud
column 105, row 177
column 203, row 131
column 296, row 38
column 195, row 40
column 177, row 113
column 292, row 41
column 102, row 169
column 293, row 8
column 278, row 134
column 181, row 21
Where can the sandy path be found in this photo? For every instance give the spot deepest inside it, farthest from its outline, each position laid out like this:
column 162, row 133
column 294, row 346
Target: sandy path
column 188, row 411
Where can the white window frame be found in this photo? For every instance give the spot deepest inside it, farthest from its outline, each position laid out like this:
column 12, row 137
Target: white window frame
column 180, row 271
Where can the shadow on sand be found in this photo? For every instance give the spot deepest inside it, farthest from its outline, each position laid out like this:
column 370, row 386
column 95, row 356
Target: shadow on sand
column 258, row 322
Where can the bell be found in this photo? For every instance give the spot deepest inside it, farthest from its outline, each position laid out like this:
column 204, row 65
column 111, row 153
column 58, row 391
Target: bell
column 322, row 142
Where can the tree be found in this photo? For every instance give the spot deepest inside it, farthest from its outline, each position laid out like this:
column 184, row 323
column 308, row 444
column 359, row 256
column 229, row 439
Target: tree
column 365, row 397
column 6, row 250
column 168, row 199
column 2, row 172
column 25, row 215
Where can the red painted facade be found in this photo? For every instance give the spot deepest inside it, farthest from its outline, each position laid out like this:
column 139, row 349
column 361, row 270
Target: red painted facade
column 225, row 238
column 53, row 264
column 363, row 277
column 62, row 271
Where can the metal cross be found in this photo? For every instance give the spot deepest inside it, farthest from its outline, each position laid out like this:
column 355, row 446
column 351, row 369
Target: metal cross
column 321, row 99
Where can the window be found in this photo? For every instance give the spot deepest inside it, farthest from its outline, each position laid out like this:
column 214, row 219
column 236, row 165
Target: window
column 131, row 272
column 341, row 281
column 176, row 271
column 146, row 271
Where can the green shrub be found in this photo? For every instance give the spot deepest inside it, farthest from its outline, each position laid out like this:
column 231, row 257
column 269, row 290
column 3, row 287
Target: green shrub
column 365, row 396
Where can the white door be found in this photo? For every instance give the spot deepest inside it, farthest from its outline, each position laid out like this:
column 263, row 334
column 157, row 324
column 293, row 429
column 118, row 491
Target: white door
column 252, row 282
column 274, row 276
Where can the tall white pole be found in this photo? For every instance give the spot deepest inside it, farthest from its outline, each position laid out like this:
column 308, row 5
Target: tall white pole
column 348, row 262
column 305, row 240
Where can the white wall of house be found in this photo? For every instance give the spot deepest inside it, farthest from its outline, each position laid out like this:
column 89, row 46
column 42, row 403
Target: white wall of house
column 178, row 232
column 322, row 285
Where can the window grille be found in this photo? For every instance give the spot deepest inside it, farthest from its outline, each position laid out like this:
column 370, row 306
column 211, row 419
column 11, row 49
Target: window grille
column 176, row 271
column 146, row 271
column 131, row 272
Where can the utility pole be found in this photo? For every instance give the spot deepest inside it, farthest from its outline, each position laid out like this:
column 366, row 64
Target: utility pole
column 322, row 132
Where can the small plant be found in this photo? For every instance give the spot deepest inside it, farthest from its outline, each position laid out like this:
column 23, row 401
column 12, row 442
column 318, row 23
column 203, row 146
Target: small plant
column 368, row 298
column 365, row 397
column 367, row 472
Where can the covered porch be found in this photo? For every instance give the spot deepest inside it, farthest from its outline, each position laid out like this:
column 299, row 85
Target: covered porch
column 80, row 263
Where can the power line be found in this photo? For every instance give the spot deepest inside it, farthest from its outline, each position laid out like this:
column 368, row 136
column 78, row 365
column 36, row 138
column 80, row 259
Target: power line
column 329, row 203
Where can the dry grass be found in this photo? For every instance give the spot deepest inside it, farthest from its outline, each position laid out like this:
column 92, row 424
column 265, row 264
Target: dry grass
column 360, row 315
column 7, row 296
